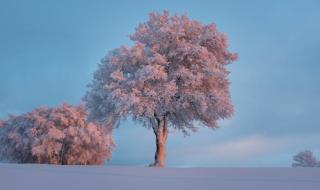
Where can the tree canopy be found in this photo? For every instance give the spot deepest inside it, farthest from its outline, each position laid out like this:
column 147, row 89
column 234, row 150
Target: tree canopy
column 176, row 68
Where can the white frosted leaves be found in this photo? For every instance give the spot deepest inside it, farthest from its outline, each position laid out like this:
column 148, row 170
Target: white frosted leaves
column 176, row 67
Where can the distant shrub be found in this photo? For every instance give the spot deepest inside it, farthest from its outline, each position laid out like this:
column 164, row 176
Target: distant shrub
column 54, row 136
column 305, row 159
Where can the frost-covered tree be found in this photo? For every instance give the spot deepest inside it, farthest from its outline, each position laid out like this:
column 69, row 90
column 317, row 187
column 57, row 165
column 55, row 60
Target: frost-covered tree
column 54, row 136
column 305, row 159
column 174, row 75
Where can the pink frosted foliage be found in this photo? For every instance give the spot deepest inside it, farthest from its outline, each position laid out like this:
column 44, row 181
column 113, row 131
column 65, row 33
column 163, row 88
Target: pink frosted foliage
column 54, row 136
column 305, row 159
column 176, row 68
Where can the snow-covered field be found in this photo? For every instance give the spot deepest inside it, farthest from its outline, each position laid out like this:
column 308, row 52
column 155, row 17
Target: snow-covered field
column 49, row 177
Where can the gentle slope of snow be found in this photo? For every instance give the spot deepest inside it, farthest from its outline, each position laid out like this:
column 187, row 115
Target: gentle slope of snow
column 50, row 177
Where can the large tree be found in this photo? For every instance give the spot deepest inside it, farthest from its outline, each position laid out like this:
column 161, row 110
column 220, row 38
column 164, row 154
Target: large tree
column 174, row 76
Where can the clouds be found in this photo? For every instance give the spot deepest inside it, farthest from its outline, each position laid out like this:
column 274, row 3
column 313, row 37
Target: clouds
column 257, row 145
column 212, row 148
column 245, row 148
column 252, row 150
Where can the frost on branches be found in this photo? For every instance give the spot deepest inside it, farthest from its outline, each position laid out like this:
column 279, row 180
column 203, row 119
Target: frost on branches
column 305, row 159
column 174, row 75
column 54, row 136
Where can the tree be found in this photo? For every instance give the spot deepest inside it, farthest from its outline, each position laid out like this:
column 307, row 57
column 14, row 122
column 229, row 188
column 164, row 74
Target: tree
column 54, row 136
column 305, row 159
column 175, row 76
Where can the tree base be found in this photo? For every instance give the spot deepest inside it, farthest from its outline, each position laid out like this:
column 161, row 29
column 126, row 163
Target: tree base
column 158, row 165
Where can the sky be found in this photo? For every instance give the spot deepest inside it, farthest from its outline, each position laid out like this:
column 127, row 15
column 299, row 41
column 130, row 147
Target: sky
column 50, row 49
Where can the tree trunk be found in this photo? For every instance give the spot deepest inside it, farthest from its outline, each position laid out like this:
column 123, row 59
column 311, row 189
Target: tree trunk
column 161, row 132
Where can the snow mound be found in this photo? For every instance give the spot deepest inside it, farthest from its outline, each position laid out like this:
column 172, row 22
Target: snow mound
column 53, row 177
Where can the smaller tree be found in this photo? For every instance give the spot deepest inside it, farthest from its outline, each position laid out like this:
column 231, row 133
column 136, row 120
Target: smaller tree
column 54, row 136
column 305, row 159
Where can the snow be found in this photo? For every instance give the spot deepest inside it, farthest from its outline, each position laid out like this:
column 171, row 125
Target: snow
column 52, row 177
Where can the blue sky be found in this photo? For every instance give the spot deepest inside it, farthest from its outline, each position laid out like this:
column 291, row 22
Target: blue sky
column 49, row 50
